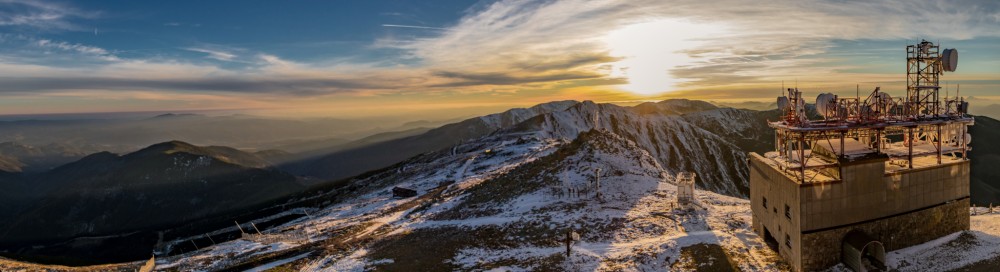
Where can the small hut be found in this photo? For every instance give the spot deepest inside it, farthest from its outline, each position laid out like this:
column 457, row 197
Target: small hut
column 685, row 188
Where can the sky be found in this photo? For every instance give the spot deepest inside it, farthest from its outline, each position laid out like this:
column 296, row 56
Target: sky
column 453, row 58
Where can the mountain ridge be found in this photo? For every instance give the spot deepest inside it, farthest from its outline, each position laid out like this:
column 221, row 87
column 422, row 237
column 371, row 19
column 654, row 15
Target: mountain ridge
column 108, row 194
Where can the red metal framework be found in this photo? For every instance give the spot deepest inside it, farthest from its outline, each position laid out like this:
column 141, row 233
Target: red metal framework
column 923, row 71
column 877, row 125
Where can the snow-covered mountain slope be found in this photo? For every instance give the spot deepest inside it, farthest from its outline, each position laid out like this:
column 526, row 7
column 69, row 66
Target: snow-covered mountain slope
column 510, row 208
column 690, row 142
column 515, row 116
column 683, row 135
column 354, row 161
column 745, row 128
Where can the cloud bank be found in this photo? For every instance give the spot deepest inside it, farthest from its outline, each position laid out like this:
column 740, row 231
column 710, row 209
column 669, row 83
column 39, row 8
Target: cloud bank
column 541, row 46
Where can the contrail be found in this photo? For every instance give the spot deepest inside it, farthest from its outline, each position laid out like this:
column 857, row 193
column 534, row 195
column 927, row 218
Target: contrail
column 410, row 26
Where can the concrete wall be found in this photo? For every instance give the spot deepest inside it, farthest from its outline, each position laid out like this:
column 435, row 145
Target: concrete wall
column 822, row 249
column 868, row 193
column 900, row 209
column 780, row 190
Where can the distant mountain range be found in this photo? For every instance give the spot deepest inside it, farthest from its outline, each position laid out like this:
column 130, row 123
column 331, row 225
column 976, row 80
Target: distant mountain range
column 17, row 157
column 239, row 131
column 159, row 187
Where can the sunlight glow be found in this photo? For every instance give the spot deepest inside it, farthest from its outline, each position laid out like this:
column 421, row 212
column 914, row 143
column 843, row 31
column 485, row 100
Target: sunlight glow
column 651, row 49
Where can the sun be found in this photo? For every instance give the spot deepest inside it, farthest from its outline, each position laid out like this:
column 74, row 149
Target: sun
column 649, row 50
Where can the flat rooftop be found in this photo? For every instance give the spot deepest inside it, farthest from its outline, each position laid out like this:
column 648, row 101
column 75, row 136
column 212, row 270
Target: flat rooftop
column 819, row 168
column 841, row 125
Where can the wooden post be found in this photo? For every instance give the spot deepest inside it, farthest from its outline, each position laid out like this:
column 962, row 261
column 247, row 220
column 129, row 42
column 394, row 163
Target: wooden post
column 569, row 243
column 238, row 226
column 597, row 184
column 255, row 227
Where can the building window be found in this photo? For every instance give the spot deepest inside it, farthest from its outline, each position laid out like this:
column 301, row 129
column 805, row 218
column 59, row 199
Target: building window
column 788, row 212
column 788, row 241
column 765, row 203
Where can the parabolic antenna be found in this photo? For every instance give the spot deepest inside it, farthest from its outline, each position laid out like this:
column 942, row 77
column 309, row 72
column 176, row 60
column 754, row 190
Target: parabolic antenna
column 783, row 106
column 825, row 104
column 884, row 101
column 885, row 98
column 949, row 59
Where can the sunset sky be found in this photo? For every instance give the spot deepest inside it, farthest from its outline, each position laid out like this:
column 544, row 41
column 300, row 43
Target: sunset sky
column 440, row 58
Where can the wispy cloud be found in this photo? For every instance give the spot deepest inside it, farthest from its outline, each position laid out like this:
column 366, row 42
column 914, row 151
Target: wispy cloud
column 91, row 50
column 41, row 14
column 763, row 41
column 214, row 53
column 414, row 26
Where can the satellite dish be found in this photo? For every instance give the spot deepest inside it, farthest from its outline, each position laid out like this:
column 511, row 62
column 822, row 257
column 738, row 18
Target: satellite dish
column 949, row 59
column 825, row 104
column 783, row 104
column 884, row 101
column 968, row 138
column 885, row 98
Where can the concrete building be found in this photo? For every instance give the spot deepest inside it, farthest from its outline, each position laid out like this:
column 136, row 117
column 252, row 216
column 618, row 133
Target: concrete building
column 875, row 175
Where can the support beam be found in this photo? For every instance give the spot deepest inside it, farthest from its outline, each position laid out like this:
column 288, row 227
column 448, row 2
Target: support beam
column 939, row 143
column 878, row 141
column 909, row 155
column 802, row 156
column 965, row 145
column 843, row 136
